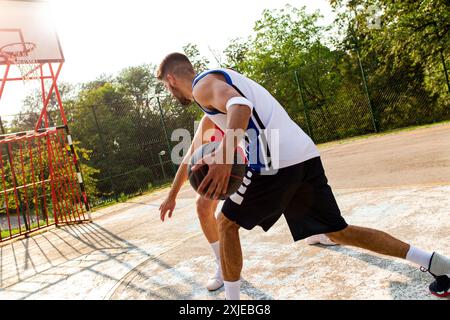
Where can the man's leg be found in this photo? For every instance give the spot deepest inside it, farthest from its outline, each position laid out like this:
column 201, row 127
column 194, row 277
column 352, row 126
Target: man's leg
column 231, row 256
column 383, row 243
column 370, row 239
column 206, row 209
column 314, row 208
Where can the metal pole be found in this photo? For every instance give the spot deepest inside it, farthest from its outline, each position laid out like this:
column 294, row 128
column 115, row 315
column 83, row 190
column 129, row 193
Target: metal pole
column 3, row 83
column 102, row 143
column 165, row 132
column 366, row 90
column 305, row 108
column 162, row 167
column 445, row 70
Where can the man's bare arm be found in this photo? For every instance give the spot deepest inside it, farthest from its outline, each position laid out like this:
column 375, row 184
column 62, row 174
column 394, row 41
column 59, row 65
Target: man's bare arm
column 199, row 139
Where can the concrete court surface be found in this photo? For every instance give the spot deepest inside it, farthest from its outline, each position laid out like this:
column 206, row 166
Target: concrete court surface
column 398, row 182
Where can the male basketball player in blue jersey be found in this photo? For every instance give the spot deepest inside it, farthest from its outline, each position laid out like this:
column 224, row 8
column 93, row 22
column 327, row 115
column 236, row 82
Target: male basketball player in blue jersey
column 294, row 185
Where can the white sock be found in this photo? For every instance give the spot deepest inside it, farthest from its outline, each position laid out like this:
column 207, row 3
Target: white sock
column 216, row 248
column 418, row 256
column 232, row 290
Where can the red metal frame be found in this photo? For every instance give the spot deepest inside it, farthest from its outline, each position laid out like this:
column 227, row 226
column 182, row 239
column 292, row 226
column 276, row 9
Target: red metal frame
column 45, row 74
column 48, row 145
column 60, row 181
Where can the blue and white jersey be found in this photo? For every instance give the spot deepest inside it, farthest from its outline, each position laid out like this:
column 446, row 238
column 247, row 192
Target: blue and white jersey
column 276, row 141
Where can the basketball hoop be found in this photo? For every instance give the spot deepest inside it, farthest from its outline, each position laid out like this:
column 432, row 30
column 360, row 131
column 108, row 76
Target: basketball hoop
column 22, row 54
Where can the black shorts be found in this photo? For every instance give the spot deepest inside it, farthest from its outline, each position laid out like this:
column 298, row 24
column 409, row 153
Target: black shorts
column 300, row 192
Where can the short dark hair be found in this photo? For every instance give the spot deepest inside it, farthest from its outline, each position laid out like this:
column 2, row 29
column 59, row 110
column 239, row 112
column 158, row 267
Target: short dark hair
column 176, row 63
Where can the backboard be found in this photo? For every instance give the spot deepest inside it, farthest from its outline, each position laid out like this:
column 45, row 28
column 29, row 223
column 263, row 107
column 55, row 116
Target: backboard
column 26, row 29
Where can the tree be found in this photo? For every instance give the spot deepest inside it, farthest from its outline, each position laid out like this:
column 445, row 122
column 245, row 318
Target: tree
column 287, row 42
column 137, row 83
column 193, row 53
column 403, row 55
column 33, row 105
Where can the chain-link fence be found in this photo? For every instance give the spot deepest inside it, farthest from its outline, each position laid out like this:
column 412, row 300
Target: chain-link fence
column 125, row 147
column 124, row 150
column 131, row 146
column 332, row 105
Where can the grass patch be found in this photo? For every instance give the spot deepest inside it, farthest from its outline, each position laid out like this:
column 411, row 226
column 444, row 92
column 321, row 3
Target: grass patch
column 5, row 234
column 124, row 198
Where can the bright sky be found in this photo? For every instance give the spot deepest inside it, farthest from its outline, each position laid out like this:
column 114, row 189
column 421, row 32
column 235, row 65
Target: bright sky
column 105, row 36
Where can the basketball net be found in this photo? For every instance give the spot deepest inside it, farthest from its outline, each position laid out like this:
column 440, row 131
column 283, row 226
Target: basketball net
column 22, row 55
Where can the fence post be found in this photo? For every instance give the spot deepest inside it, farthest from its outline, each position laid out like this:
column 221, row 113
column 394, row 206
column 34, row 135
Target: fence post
column 305, row 107
column 160, row 154
column 169, row 146
column 102, row 144
column 366, row 90
column 445, row 70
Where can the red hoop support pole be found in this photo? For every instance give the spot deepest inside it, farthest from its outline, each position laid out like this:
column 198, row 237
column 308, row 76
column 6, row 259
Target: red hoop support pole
column 5, row 76
column 43, row 96
column 54, row 78
column 58, row 96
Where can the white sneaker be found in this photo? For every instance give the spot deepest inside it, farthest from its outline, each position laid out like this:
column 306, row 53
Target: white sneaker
column 215, row 282
column 320, row 239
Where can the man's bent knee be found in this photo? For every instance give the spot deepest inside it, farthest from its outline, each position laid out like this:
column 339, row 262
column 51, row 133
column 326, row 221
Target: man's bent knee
column 205, row 207
column 225, row 224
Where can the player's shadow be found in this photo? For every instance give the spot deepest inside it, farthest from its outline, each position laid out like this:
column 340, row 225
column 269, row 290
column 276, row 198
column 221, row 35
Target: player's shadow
column 399, row 291
column 253, row 292
column 42, row 264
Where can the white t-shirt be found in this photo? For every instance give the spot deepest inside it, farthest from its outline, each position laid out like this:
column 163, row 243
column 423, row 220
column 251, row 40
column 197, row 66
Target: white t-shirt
column 273, row 139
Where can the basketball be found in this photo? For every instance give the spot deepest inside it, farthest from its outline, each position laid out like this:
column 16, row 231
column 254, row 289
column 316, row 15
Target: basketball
column 237, row 171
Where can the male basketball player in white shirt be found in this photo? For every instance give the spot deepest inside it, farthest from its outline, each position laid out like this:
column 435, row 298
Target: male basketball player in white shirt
column 206, row 208
column 289, row 182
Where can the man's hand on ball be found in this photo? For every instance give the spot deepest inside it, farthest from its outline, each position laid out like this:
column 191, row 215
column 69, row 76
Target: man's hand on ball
column 216, row 180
